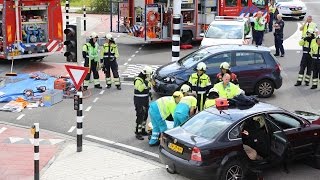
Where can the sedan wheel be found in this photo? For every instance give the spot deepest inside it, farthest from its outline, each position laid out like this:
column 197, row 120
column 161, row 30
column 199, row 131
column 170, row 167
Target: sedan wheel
column 234, row 173
column 265, row 88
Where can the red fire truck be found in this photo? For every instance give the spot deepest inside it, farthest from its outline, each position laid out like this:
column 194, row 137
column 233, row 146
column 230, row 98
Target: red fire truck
column 30, row 28
column 152, row 19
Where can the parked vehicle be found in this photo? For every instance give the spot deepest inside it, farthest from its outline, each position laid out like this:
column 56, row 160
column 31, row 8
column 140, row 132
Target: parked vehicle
column 291, row 8
column 257, row 69
column 211, row 144
column 30, row 29
column 227, row 30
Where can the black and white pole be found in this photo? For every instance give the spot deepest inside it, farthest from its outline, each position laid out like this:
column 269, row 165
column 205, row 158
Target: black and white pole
column 110, row 15
column 36, row 156
column 67, row 12
column 84, row 18
column 176, row 30
column 79, row 107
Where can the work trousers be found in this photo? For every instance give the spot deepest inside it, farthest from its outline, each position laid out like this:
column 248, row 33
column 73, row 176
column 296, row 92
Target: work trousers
column 158, row 124
column 141, row 117
column 316, row 72
column 259, row 37
column 201, row 99
column 278, row 43
column 271, row 22
column 94, row 69
column 113, row 65
column 305, row 65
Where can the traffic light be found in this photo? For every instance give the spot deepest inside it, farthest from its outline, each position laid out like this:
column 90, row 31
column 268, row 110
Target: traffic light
column 77, row 102
column 71, row 43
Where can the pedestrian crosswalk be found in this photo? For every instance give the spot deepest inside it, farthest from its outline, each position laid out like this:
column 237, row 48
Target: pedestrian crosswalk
column 21, row 140
column 132, row 70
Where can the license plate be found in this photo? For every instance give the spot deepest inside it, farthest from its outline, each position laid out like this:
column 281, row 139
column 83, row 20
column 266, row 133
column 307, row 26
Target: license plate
column 296, row 12
column 175, row 148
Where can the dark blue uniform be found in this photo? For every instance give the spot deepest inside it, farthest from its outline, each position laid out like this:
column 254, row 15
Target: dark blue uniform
column 278, row 38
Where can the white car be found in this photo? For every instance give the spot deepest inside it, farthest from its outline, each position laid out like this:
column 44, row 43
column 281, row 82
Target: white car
column 291, row 8
column 227, row 30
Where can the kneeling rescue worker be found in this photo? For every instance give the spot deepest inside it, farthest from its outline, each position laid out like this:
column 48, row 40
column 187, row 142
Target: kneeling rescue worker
column 225, row 68
column 186, row 107
column 161, row 110
column 200, row 83
column 91, row 59
column 142, row 86
column 211, row 98
column 110, row 55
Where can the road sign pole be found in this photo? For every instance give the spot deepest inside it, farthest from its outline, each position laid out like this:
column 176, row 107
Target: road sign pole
column 36, row 156
column 79, row 107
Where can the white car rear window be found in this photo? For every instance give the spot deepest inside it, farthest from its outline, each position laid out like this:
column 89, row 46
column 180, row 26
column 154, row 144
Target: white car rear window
column 221, row 31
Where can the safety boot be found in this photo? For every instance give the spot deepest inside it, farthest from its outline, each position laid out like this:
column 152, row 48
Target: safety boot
column 307, row 83
column 144, row 133
column 139, row 137
column 119, row 87
column 314, row 87
column 298, row 83
column 108, row 86
column 97, row 86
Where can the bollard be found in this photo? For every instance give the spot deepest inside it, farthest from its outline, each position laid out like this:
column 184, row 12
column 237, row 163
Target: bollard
column 78, row 107
column 67, row 12
column 176, row 30
column 36, row 156
column 84, row 18
column 110, row 15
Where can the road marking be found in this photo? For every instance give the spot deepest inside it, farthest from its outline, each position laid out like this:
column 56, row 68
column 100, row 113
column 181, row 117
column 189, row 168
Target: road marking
column 129, row 84
column 291, row 43
column 115, row 38
column 125, row 64
column 71, row 129
column 140, row 48
column 298, row 52
column 88, row 108
column 95, row 100
column 101, row 92
column 133, row 55
column 20, row 117
column 15, row 139
column 137, row 52
column 2, row 129
column 123, row 145
column 118, row 36
column 101, row 32
column 129, row 59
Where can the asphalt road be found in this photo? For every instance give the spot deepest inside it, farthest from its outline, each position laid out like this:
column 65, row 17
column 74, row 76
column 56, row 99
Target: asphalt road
column 110, row 116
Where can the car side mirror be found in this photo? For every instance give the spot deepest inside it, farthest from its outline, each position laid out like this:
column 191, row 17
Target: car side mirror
column 201, row 34
column 248, row 37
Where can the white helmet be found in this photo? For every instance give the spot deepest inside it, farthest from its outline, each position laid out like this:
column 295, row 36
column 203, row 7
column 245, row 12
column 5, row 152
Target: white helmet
column 94, row 35
column 225, row 65
column 147, row 70
column 185, row 88
column 201, row 66
column 109, row 36
column 213, row 90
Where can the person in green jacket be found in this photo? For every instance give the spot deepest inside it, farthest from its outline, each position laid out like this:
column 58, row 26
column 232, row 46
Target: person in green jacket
column 211, row 98
column 160, row 111
column 227, row 89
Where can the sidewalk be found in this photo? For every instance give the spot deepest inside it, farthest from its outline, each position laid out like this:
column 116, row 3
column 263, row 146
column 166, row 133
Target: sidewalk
column 97, row 162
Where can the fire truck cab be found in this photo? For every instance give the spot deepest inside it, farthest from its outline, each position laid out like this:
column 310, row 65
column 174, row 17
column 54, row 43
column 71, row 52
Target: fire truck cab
column 30, row 28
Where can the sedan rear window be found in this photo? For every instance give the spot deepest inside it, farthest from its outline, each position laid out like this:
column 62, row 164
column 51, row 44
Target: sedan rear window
column 206, row 125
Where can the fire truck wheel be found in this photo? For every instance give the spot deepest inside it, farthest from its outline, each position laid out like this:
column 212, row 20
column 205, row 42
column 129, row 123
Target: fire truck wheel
column 186, row 37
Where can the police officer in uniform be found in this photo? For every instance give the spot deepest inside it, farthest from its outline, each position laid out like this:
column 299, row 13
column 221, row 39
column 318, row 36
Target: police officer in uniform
column 225, row 68
column 278, row 36
column 90, row 53
column 315, row 53
column 142, row 86
column 110, row 55
column 306, row 60
column 200, row 83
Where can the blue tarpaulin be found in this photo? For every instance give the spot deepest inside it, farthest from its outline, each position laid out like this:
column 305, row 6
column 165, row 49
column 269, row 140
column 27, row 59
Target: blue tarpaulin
column 15, row 86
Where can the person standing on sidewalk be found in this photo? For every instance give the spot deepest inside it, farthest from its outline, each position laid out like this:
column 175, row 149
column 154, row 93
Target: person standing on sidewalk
column 278, row 36
column 272, row 10
column 110, row 55
column 259, row 28
column 315, row 53
column 306, row 60
column 142, row 86
column 90, row 53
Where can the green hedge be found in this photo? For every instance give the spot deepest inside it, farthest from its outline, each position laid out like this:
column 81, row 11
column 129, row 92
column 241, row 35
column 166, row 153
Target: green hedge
column 93, row 6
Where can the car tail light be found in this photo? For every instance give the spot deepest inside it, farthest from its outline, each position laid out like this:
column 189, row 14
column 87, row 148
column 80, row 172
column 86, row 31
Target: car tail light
column 278, row 68
column 196, row 154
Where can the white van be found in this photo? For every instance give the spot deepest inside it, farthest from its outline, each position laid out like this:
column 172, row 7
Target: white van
column 227, row 30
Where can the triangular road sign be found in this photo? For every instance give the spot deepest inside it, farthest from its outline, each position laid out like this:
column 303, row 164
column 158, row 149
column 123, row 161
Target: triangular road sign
column 77, row 74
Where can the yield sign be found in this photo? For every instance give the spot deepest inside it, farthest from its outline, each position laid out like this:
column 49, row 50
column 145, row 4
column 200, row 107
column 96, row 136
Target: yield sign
column 77, row 74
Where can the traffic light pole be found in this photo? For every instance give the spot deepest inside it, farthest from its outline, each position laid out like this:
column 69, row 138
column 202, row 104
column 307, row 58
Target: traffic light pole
column 80, row 41
column 78, row 107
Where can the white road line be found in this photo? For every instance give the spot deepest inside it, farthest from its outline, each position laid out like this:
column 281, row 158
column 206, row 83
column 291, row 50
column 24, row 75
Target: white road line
column 71, row 129
column 2, row 129
column 123, row 145
column 137, row 52
column 133, row 55
column 298, row 51
column 118, row 36
column 101, row 32
column 101, row 92
column 20, row 117
column 88, row 108
column 128, row 84
column 95, row 100
column 125, row 64
column 115, row 38
column 140, row 48
column 129, row 59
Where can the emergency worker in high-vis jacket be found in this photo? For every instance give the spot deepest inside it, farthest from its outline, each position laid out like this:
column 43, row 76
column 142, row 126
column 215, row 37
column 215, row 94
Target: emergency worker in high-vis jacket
column 227, row 89
column 315, row 54
column 200, row 83
column 161, row 110
column 142, row 86
column 110, row 54
column 211, row 98
column 90, row 53
column 225, row 68
column 306, row 60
